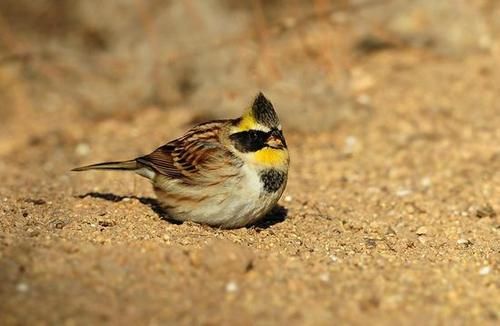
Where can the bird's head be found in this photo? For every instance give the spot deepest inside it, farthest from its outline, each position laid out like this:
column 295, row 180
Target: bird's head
column 257, row 135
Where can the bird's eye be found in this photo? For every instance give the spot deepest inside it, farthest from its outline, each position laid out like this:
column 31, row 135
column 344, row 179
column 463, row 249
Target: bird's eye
column 253, row 134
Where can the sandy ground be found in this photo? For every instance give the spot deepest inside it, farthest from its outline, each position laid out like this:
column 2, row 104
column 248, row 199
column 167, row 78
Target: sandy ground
column 391, row 218
column 391, row 214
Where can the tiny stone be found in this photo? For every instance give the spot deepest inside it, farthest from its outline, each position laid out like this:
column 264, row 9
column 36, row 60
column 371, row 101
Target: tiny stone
column 426, row 182
column 231, row 287
column 350, row 145
column 82, row 149
column 288, row 199
column 334, row 258
column 370, row 243
column 403, row 192
column 22, row 287
column 421, row 230
column 485, row 270
column 325, row 277
column 464, row 242
column 33, row 233
column 106, row 224
column 364, row 99
column 361, row 81
column 59, row 224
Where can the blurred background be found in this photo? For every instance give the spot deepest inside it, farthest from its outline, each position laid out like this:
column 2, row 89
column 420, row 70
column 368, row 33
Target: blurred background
column 93, row 59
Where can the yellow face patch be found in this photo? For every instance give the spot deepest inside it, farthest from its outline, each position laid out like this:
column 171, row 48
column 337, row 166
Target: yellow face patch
column 247, row 121
column 270, row 156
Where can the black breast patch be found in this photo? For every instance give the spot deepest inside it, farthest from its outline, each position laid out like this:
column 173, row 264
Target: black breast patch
column 272, row 180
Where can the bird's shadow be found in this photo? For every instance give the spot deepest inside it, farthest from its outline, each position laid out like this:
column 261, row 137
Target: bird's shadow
column 277, row 215
column 148, row 201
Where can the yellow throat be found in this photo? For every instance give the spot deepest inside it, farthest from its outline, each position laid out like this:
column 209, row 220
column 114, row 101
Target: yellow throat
column 270, row 157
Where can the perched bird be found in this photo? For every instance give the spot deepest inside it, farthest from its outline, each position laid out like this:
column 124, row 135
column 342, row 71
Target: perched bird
column 225, row 173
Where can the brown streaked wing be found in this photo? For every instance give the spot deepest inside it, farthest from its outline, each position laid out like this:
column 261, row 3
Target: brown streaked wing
column 162, row 161
column 190, row 158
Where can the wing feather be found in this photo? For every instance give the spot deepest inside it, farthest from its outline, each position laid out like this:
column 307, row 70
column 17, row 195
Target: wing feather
column 193, row 157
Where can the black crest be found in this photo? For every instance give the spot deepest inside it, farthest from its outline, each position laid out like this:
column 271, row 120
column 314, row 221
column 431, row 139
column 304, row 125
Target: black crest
column 263, row 111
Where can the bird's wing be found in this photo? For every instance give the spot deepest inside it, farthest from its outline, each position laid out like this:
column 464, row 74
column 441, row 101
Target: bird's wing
column 197, row 157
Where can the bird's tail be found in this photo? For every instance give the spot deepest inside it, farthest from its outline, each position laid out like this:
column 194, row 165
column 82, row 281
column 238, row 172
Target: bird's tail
column 131, row 165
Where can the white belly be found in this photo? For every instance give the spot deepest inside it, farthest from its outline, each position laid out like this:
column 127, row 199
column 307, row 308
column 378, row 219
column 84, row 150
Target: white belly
column 234, row 203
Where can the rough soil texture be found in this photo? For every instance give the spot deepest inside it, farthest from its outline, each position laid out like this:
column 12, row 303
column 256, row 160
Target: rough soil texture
column 391, row 214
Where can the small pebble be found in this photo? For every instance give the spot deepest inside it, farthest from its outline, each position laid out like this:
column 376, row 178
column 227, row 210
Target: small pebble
column 106, row 224
column 464, row 242
column 82, row 149
column 370, row 243
column 351, row 145
column 364, row 99
column 231, row 287
column 426, row 182
column 58, row 224
column 325, row 277
column 33, row 233
column 421, row 230
column 403, row 192
column 334, row 258
column 22, row 287
column 361, row 81
column 288, row 199
column 485, row 270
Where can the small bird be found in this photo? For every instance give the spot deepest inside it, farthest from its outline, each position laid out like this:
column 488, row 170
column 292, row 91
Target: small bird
column 223, row 173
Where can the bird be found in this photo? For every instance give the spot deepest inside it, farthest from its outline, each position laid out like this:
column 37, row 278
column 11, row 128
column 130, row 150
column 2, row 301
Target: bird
column 222, row 173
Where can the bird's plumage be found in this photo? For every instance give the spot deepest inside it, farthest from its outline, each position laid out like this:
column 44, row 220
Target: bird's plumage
column 226, row 173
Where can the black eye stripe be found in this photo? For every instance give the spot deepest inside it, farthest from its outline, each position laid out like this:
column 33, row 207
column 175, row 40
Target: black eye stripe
column 249, row 141
column 254, row 140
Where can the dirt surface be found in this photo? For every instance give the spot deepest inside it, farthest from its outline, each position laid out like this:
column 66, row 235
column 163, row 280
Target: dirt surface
column 391, row 214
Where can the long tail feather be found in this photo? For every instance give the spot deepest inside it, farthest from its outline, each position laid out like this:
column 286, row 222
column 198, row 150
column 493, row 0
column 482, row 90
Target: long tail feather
column 131, row 165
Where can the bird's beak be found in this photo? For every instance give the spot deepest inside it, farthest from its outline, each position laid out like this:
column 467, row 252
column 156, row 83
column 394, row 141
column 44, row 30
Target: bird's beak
column 276, row 139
